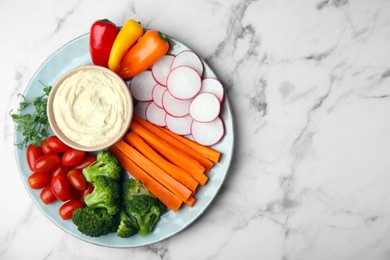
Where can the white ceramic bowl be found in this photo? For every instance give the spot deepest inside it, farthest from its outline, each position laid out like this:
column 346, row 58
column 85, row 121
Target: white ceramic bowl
column 67, row 138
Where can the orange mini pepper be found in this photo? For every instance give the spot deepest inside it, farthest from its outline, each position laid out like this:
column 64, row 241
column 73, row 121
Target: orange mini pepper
column 144, row 53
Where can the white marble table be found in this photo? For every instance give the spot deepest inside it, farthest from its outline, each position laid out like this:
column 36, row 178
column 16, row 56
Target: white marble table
column 309, row 84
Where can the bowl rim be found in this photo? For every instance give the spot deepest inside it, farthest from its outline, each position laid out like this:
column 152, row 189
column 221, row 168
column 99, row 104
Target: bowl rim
column 51, row 117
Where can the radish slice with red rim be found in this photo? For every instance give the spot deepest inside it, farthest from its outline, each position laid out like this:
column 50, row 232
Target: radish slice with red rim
column 155, row 114
column 157, row 94
column 141, row 86
column 214, row 86
column 179, row 125
column 190, row 59
column 174, row 106
column 205, row 107
column 184, row 82
column 208, row 133
column 161, row 69
column 140, row 108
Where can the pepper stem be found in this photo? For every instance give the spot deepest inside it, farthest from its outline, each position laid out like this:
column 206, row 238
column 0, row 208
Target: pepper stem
column 163, row 36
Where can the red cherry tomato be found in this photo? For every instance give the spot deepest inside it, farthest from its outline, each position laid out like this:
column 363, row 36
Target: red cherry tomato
column 77, row 180
column 47, row 162
column 61, row 187
column 62, row 170
column 56, row 145
column 38, row 180
column 87, row 191
column 76, row 195
column 44, row 147
column 72, row 157
column 47, row 195
column 67, row 209
column 33, row 153
column 89, row 159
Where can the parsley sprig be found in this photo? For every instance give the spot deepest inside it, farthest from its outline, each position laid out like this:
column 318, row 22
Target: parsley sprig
column 34, row 126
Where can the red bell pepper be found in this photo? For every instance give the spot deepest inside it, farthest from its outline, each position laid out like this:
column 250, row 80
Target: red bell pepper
column 102, row 36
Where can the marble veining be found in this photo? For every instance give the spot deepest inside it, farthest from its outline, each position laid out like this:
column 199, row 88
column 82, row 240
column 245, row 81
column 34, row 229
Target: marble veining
column 308, row 82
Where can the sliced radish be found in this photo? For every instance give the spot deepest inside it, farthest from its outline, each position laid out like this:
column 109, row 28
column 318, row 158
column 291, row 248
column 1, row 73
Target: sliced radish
column 140, row 108
column 155, row 114
column 179, row 125
column 161, row 69
column 174, row 106
column 189, row 59
column 157, row 94
column 184, row 82
column 205, row 107
column 214, row 86
column 208, row 133
column 141, row 86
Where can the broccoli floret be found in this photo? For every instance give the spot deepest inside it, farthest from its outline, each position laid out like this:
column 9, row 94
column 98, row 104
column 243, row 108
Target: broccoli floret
column 106, row 164
column 141, row 205
column 94, row 222
column 146, row 210
column 106, row 194
column 127, row 225
column 131, row 188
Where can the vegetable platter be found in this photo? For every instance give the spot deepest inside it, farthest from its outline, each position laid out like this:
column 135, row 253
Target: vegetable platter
column 76, row 53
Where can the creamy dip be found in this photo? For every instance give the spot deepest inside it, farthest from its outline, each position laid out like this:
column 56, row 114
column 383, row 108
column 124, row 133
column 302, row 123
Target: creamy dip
column 90, row 107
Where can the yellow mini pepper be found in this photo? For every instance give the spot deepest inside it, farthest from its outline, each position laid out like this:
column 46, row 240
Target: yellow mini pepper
column 127, row 36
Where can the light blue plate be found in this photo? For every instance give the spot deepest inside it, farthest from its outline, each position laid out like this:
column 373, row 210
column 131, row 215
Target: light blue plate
column 74, row 54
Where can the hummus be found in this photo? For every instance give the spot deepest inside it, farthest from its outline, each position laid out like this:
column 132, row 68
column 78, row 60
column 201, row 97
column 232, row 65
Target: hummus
column 90, row 107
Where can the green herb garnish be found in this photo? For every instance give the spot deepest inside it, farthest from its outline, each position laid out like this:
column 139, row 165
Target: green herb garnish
column 34, row 126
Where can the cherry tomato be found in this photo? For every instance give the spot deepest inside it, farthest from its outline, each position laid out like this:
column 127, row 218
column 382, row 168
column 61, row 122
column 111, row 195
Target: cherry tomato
column 47, row 195
column 72, row 157
column 56, row 145
column 44, row 147
column 76, row 195
column 62, row 170
column 67, row 209
column 61, row 187
column 38, row 180
column 89, row 159
column 77, row 180
column 33, row 153
column 47, row 162
column 87, row 191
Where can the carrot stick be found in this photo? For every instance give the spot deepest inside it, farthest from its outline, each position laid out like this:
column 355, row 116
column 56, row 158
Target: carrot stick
column 172, row 141
column 154, row 171
column 173, row 154
column 206, row 151
column 176, row 172
column 163, row 194
column 190, row 202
